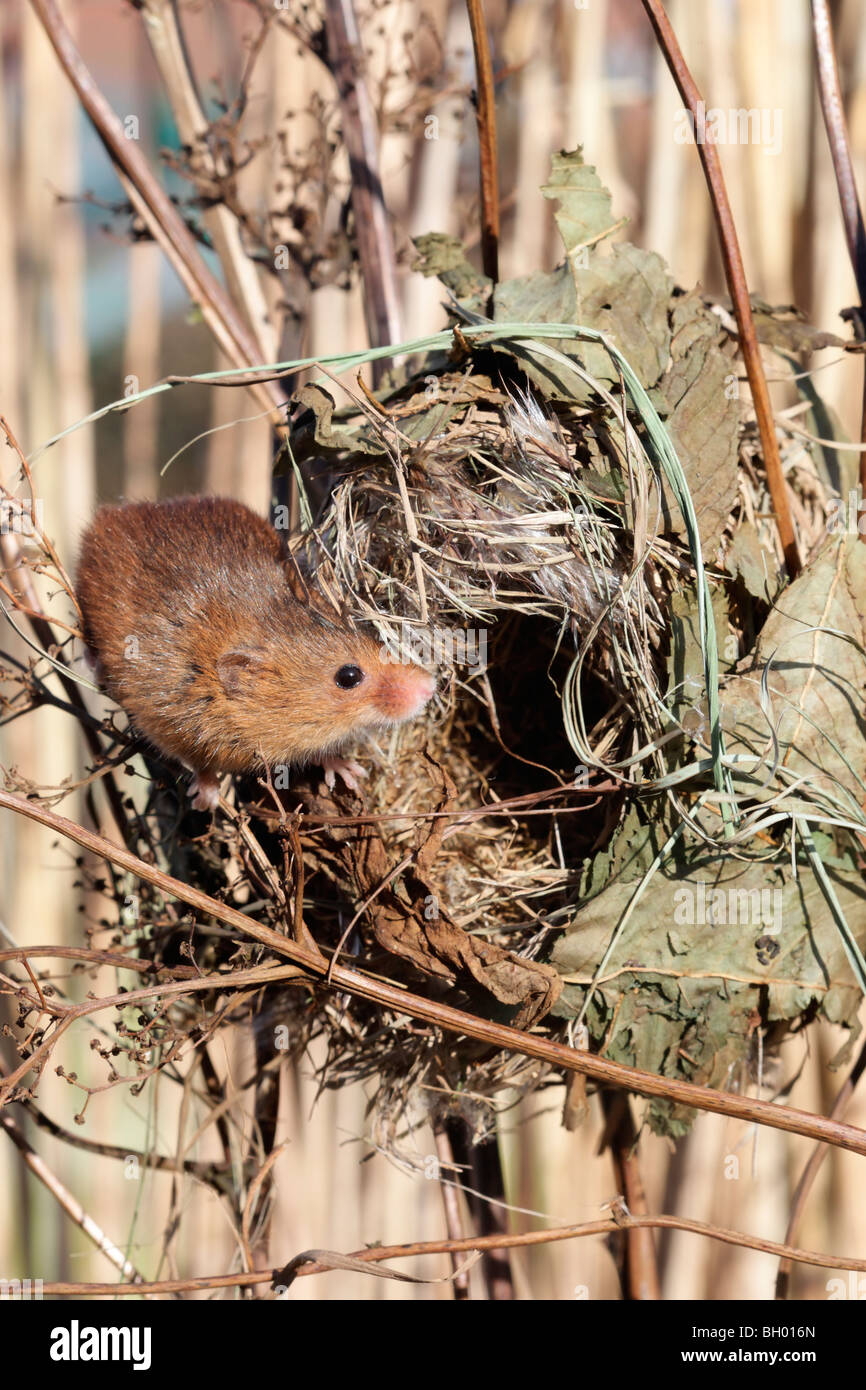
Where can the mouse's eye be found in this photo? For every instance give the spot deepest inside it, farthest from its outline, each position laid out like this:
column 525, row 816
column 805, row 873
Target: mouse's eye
column 348, row 677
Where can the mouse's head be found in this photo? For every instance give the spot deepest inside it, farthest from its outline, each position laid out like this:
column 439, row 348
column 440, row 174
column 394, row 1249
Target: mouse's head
column 312, row 689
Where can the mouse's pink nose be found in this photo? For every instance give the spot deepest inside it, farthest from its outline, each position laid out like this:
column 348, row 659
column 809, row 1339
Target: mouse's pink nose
column 417, row 688
column 405, row 690
column 425, row 687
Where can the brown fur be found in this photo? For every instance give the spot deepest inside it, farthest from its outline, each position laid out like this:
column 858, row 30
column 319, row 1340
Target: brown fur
column 189, row 612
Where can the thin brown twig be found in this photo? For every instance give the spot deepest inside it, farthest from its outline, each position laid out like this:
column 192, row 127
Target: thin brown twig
column 840, row 152
column 402, row 1001
column 206, row 1170
column 288, row 830
column 485, row 1197
column 162, row 26
column 35, row 983
column 258, row 1186
column 69, row 1014
column 361, row 138
column 269, row 875
column 465, row 816
column 215, row 1095
column 61, row 1194
column 301, row 933
column 485, row 113
column 811, row 1170
column 44, row 540
column 736, row 279
column 158, row 213
column 19, row 576
column 837, row 137
column 85, row 953
column 377, row 1253
column 450, row 1204
column 21, row 607
column 640, row 1273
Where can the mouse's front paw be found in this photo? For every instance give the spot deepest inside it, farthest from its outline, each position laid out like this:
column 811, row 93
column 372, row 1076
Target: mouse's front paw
column 204, row 791
column 345, row 768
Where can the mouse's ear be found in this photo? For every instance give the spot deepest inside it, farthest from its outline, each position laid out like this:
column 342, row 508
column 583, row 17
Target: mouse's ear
column 233, row 668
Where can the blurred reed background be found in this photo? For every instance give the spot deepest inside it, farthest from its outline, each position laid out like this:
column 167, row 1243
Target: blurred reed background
column 83, row 312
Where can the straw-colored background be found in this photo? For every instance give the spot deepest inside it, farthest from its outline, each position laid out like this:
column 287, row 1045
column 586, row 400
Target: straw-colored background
column 81, row 312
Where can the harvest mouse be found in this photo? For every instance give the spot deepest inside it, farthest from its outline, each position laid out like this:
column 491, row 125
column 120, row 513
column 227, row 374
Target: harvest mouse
column 196, row 631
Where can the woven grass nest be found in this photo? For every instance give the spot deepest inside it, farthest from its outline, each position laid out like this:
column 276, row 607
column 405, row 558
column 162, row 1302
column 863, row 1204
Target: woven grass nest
column 561, row 841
